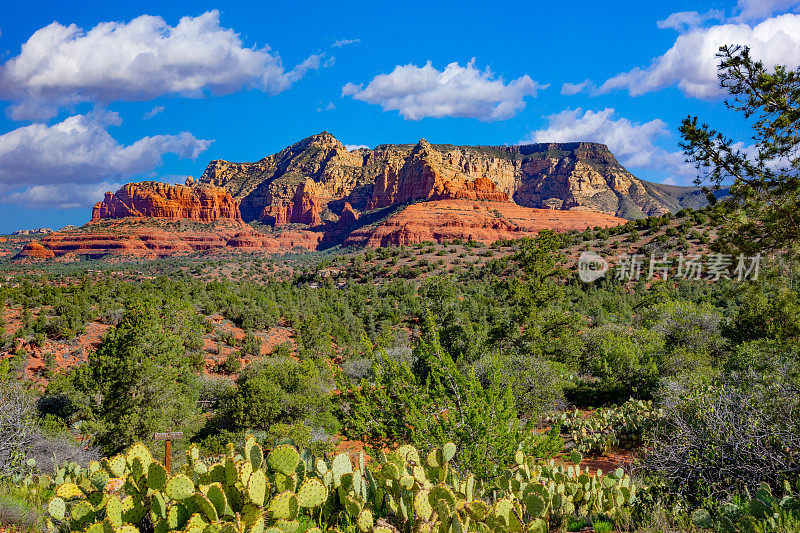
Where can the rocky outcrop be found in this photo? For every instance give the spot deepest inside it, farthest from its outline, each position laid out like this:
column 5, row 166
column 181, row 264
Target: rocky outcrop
column 304, row 208
column 317, row 175
column 160, row 200
column 151, row 238
column 485, row 222
column 347, row 218
column 34, row 250
column 426, row 175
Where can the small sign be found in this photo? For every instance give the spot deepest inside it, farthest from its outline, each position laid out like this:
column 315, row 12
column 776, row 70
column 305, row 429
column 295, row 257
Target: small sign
column 172, row 435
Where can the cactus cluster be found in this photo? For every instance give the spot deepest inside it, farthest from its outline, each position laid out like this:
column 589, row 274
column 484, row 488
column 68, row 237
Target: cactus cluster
column 548, row 492
column 761, row 512
column 609, row 428
column 34, row 484
column 248, row 492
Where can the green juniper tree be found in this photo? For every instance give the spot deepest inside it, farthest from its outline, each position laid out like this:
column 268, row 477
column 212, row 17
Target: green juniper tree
column 137, row 382
column 762, row 212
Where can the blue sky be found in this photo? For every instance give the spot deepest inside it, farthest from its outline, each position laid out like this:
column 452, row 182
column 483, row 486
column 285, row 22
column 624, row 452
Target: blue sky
column 155, row 90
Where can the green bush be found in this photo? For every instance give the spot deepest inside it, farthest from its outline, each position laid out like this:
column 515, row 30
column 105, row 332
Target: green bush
column 280, row 391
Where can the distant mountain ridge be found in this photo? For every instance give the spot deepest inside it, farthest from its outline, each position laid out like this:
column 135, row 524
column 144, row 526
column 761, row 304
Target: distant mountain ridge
column 391, row 195
column 312, row 180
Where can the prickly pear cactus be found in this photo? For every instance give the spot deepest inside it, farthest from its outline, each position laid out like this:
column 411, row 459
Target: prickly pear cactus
column 247, row 491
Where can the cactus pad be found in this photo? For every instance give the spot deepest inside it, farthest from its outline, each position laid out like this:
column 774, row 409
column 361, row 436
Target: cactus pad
column 140, row 451
column 157, row 476
column 407, row 481
column 69, row 491
column 196, row 523
column 96, row 528
column 158, row 504
column 284, row 506
column 287, row 526
column 133, row 510
column 449, row 451
column 312, row 493
column 257, row 487
column 82, row 513
column 114, row 511
column 365, row 521
column 422, row 506
column 702, row 519
column 179, row 487
column 116, row 466
column 435, row 458
column 285, row 483
column 217, row 497
column 57, row 508
column 391, row 471
column 99, row 479
column 284, row 459
column 535, row 505
column 127, row 528
column 477, row 510
column 341, row 465
column 258, row 526
column 206, row 507
column 177, row 516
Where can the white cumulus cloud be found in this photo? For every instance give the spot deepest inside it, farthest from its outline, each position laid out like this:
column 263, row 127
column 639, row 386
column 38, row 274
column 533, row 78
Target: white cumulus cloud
column 420, row 92
column 136, row 61
column 61, row 195
column 38, row 160
column 633, row 144
column 757, row 10
column 691, row 63
column 351, row 147
column 684, row 20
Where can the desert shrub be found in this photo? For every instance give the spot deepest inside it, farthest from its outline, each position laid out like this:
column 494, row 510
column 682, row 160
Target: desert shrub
column 17, row 513
column 766, row 311
column 213, row 389
column 692, row 334
column 17, row 427
column 251, row 345
column 544, row 445
column 280, row 391
column 357, row 369
column 433, row 403
column 314, row 338
column 537, row 384
column 730, row 437
column 232, row 364
column 625, row 361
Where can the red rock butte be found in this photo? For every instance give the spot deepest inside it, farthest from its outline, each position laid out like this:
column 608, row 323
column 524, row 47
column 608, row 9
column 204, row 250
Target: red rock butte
column 486, row 222
column 150, row 199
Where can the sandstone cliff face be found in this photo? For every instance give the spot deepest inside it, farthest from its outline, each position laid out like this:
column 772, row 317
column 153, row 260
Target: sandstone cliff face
column 485, row 222
column 160, row 200
column 318, row 175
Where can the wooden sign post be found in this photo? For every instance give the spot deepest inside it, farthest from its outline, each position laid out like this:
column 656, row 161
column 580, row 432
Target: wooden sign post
column 168, row 438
